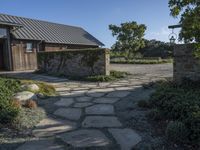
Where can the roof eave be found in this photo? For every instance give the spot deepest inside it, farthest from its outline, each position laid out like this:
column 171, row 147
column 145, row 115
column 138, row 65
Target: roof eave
column 101, row 44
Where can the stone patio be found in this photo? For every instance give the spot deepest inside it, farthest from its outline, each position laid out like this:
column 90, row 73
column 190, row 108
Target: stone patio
column 86, row 116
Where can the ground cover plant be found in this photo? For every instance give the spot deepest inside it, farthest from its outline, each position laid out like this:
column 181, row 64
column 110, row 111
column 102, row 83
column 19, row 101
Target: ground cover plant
column 142, row 61
column 8, row 111
column 114, row 75
column 15, row 114
column 45, row 89
column 179, row 106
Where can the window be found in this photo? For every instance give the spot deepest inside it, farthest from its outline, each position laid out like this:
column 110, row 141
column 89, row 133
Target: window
column 29, row 47
column 3, row 33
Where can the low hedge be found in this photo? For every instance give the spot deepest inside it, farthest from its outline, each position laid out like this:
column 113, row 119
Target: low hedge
column 142, row 61
column 180, row 103
column 114, row 75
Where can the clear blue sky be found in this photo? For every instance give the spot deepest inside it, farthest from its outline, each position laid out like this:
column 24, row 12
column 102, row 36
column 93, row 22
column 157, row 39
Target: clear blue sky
column 96, row 15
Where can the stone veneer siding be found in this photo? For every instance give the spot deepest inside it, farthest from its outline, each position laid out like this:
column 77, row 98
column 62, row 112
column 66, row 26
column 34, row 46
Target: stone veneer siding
column 185, row 64
column 79, row 63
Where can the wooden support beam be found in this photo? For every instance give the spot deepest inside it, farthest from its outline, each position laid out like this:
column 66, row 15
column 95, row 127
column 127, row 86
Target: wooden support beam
column 174, row 26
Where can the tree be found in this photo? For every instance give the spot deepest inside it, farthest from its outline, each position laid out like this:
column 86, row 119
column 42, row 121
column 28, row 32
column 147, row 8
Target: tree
column 154, row 48
column 190, row 18
column 129, row 37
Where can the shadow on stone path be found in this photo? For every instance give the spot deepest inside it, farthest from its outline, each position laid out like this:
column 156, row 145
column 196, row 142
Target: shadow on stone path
column 89, row 115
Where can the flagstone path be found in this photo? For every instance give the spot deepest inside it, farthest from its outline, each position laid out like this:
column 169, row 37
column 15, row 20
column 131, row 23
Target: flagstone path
column 85, row 115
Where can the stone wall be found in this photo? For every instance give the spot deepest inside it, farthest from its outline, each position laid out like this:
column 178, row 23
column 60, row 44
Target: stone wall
column 185, row 64
column 76, row 63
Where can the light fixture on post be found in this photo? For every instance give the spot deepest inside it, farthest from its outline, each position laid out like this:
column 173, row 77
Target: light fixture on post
column 172, row 37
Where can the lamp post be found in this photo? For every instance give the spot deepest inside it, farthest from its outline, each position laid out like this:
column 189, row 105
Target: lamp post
column 172, row 37
column 172, row 40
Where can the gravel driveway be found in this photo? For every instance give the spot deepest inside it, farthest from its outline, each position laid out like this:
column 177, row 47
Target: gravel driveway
column 159, row 70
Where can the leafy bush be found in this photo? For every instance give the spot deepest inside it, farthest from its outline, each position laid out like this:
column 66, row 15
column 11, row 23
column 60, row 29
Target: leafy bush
column 155, row 114
column 28, row 118
column 8, row 111
column 31, row 104
column 45, row 89
column 114, row 75
column 176, row 131
column 143, row 104
column 142, row 61
column 118, row 74
column 100, row 78
column 181, row 103
column 16, row 104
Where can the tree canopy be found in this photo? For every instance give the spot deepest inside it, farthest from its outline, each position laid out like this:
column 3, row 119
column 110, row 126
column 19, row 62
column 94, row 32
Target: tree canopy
column 130, row 37
column 155, row 48
column 190, row 18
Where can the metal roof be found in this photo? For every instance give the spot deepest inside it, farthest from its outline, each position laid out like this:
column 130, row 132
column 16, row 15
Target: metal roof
column 49, row 32
column 10, row 24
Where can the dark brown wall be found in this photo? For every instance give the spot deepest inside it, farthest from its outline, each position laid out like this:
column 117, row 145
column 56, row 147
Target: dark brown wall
column 23, row 60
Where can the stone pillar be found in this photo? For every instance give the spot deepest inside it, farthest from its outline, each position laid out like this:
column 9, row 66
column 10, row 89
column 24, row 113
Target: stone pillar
column 186, row 66
column 107, row 62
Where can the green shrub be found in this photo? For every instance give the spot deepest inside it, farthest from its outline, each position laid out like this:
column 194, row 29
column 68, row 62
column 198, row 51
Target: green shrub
column 45, row 89
column 118, row 74
column 176, row 131
column 8, row 112
column 155, row 114
column 100, row 78
column 180, row 103
column 142, row 61
column 114, row 75
column 28, row 118
column 143, row 104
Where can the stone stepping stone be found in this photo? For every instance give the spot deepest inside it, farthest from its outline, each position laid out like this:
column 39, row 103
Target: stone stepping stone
column 63, row 93
column 82, row 105
column 101, row 122
column 119, row 94
column 64, row 102
column 79, row 92
column 24, row 96
column 106, row 100
column 85, row 138
column 41, row 144
column 84, row 99
column 104, row 84
column 93, row 94
column 100, row 109
column 51, row 127
column 69, row 113
column 102, row 90
column 89, row 85
column 62, row 89
column 126, row 138
column 126, row 88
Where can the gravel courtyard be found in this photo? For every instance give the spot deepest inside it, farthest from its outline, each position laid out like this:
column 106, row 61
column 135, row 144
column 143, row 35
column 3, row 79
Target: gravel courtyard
column 102, row 116
column 160, row 70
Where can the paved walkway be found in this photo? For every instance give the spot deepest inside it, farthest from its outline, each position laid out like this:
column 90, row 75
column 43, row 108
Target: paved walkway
column 84, row 116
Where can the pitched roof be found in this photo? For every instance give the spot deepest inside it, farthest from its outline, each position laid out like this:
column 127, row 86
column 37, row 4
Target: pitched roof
column 49, row 32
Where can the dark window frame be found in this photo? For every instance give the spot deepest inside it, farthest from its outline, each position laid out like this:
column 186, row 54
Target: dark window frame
column 29, row 47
